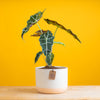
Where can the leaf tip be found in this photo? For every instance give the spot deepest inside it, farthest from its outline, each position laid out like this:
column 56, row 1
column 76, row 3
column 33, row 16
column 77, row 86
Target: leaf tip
column 79, row 40
column 47, row 20
column 44, row 10
column 22, row 37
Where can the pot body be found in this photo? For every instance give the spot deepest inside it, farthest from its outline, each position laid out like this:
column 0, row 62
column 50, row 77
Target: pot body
column 45, row 85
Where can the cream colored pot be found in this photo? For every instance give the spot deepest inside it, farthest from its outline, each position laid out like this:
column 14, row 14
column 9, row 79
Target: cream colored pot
column 46, row 85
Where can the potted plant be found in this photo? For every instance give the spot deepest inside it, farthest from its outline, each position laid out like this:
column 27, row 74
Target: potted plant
column 49, row 78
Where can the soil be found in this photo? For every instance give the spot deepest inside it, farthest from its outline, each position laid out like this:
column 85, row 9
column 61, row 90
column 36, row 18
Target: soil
column 52, row 67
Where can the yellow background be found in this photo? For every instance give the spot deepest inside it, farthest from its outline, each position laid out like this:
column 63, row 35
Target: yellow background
column 17, row 66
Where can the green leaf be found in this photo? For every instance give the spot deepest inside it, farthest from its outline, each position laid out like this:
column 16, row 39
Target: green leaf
column 37, row 56
column 62, row 27
column 58, row 43
column 43, row 31
column 33, row 20
column 38, row 33
column 49, row 58
column 46, row 42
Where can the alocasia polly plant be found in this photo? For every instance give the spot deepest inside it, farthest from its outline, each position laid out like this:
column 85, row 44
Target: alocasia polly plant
column 46, row 37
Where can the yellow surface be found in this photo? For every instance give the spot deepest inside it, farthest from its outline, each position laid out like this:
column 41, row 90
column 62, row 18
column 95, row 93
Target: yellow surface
column 17, row 66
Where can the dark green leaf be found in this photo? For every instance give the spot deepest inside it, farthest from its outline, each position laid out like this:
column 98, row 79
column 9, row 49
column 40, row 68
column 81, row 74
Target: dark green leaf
column 49, row 58
column 37, row 56
column 33, row 20
column 62, row 27
column 46, row 42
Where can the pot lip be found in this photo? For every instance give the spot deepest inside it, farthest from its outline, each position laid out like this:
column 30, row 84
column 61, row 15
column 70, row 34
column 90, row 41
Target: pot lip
column 36, row 68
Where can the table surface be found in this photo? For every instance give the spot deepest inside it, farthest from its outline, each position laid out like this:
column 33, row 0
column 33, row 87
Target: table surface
column 30, row 93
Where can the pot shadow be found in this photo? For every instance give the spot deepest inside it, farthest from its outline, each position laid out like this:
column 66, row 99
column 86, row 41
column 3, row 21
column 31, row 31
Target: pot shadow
column 26, row 90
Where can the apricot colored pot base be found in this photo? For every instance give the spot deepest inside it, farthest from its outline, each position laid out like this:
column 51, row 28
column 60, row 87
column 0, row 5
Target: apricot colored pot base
column 52, row 91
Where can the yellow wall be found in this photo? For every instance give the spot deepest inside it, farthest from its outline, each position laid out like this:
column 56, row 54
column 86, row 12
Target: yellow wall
column 17, row 66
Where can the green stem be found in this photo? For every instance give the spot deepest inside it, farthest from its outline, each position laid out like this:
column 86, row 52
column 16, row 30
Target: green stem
column 39, row 27
column 55, row 31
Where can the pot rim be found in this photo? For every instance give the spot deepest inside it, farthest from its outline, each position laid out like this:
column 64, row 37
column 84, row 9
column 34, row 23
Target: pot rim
column 51, row 69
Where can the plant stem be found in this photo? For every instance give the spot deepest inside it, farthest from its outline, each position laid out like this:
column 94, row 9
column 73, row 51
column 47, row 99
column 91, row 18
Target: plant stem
column 55, row 31
column 39, row 27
